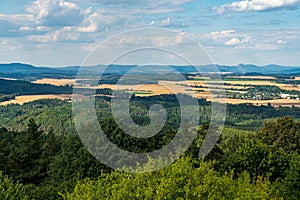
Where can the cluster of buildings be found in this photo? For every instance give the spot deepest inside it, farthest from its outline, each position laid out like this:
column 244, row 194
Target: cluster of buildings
column 265, row 96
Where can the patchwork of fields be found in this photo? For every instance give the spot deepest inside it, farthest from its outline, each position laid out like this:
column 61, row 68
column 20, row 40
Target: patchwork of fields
column 203, row 87
column 199, row 87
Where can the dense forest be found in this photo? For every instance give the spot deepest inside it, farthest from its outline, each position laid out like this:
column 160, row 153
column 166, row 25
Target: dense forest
column 17, row 87
column 42, row 157
column 9, row 89
column 57, row 114
column 7, row 97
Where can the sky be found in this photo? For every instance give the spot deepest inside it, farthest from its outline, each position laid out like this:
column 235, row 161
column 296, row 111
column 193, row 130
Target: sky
column 230, row 32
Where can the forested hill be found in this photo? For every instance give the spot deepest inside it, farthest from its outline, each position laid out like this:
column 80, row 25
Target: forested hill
column 30, row 69
column 30, row 72
column 57, row 115
column 18, row 87
column 42, row 157
column 243, row 165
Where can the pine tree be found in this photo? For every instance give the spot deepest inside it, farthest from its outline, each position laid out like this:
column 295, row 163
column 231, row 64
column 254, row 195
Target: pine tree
column 24, row 158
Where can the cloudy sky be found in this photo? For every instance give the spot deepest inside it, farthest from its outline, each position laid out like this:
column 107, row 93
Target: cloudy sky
column 64, row 32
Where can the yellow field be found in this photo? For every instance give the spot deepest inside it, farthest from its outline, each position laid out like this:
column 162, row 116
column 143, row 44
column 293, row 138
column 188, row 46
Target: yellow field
column 163, row 87
column 275, row 102
column 267, row 83
column 28, row 98
column 253, row 77
column 187, row 87
column 251, row 83
column 212, row 85
column 290, row 87
column 56, row 82
column 199, row 77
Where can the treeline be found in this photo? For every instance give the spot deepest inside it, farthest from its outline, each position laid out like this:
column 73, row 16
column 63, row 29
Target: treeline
column 17, row 87
column 246, row 165
column 44, row 164
column 57, row 115
column 6, row 97
column 273, row 89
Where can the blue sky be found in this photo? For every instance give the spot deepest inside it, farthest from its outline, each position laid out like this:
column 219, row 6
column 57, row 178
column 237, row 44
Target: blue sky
column 64, row 32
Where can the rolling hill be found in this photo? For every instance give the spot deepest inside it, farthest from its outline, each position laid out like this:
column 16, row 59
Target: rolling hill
column 23, row 71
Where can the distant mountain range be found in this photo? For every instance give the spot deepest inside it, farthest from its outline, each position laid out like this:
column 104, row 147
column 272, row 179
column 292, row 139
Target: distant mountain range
column 17, row 69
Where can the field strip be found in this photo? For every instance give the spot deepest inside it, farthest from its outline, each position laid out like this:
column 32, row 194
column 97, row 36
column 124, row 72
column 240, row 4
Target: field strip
column 56, row 82
column 253, row 77
column 241, row 84
column 28, row 98
column 275, row 102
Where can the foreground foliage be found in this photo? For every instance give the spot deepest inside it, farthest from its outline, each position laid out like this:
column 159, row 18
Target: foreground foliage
column 185, row 179
column 42, row 163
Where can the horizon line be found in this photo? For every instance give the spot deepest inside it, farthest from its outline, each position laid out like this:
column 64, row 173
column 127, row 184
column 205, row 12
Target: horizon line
column 119, row 64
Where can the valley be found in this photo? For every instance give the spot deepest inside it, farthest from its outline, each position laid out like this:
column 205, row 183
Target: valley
column 235, row 87
column 149, row 100
column 43, row 155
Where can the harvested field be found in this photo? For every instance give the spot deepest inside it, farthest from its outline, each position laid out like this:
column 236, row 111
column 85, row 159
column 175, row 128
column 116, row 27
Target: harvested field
column 28, row 98
column 263, row 83
column 188, row 87
column 213, row 86
column 290, row 87
column 164, row 87
column 250, row 82
column 199, row 77
column 253, row 77
column 275, row 102
column 56, row 82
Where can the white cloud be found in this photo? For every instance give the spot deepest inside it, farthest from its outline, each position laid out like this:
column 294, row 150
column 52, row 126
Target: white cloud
column 281, row 42
column 136, row 40
column 219, row 35
column 152, row 3
column 166, row 22
column 133, row 3
column 10, row 44
column 48, row 16
column 257, row 5
column 233, row 41
column 245, row 40
column 55, row 12
column 18, row 18
column 43, row 28
column 26, row 28
column 11, row 25
column 142, row 7
column 229, row 38
column 99, row 22
column 55, row 36
column 54, row 18
column 263, row 40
